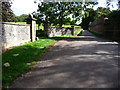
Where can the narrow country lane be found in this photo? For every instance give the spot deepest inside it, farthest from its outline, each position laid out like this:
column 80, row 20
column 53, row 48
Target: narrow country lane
column 80, row 62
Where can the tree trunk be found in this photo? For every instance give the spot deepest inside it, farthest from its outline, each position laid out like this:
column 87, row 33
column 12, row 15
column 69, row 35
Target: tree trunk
column 61, row 17
column 46, row 26
column 39, row 26
column 61, row 21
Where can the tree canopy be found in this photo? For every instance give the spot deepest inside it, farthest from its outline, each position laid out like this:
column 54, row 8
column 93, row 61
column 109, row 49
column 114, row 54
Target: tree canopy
column 58, row 13
column 7, row 13
column 21, row 18
column 91, row 15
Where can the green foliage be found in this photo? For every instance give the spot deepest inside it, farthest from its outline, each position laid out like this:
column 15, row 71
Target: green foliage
column 67, row 21
column 18, row 64
column 96, row 33
column 113, row 24
column 104, row 11
column 88, row 17
column 45, row 12
column 57, row 13
column 7, row 13
column 104, row 36
column 67, row 8
column 114, row 14
column 85, row 22
column 27, row 53
column 21, row 18
column 91, row 15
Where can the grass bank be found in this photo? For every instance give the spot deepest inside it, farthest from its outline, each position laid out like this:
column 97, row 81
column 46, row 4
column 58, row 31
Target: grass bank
column 105, row 37
column 20, row 59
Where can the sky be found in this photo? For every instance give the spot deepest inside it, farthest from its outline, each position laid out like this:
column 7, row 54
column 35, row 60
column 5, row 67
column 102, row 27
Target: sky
column 103, row 4
column 28, row 6
column 23, row 7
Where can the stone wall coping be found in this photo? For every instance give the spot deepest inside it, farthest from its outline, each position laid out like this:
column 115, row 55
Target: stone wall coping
column 15, row 24
column 60, row 27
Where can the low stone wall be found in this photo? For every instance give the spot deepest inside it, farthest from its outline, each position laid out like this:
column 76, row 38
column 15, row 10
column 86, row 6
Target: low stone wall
column 112, row 27
column 77, row 28
column 107, row 27
column 60, row 31
column 14, row 34
column 98, row 25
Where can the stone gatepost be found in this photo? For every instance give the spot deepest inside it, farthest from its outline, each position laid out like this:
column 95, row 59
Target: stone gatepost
column 32, row 22
column 72, row 30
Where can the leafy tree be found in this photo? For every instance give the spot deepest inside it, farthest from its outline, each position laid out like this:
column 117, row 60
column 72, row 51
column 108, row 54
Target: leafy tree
column 104, row 11
column 67, row 21
column 85, row 21
column 65, row 9
column 45, row 15
column 56, row 13
column 21, row 18
column 76, row 12
column 7, row 13
column 91, row 15
column 114, row 14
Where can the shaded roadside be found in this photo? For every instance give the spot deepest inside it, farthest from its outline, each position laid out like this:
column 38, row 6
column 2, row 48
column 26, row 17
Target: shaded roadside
column 78, row 62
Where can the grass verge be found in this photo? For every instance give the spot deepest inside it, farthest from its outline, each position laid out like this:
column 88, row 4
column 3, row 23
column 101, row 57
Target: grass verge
column 96, row 34
column 21, row 58
column 79, row 32
column 105, row 37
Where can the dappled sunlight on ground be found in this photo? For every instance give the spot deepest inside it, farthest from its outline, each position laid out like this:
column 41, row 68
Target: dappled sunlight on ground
column 78, row 62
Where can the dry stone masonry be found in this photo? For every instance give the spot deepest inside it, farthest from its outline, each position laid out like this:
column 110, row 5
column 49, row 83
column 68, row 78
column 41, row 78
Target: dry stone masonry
column 97, row 25
column 107, row 27
column 13, row 34
column 60, row 31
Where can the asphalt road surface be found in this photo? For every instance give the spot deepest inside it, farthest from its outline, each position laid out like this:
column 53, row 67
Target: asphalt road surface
column 79, row 62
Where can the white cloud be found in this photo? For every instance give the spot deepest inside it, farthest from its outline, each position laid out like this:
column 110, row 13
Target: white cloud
column 114, row 3
column 101, row 3
column 23, row 6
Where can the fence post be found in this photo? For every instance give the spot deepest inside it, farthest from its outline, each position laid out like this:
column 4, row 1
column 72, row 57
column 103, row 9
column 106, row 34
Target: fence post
column 32, row 22
column 72, row 30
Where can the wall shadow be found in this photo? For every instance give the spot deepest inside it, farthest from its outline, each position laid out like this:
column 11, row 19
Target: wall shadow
column 81, row 62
